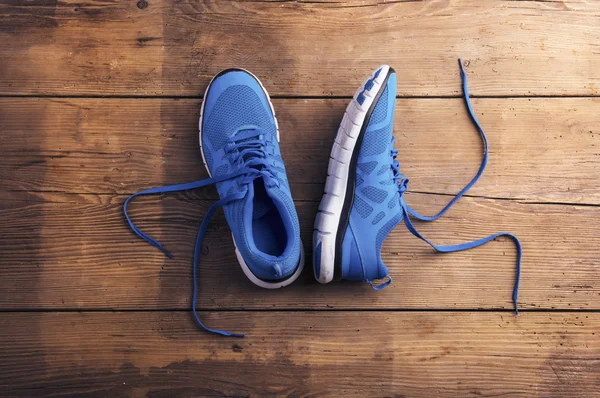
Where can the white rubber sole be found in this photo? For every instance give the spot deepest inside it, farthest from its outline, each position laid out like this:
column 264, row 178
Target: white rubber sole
column 245, row 268
column 336, row 186
column 271, row 285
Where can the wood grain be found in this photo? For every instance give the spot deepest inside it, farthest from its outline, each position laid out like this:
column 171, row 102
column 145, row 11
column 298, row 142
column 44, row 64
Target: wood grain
column 76, row 251
column 301, row 354
column 99, row 99
column 299, row 48
column 541, row 149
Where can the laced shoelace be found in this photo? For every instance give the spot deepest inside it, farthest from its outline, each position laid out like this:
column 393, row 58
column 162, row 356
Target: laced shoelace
column 408, row 211
column 248, row 152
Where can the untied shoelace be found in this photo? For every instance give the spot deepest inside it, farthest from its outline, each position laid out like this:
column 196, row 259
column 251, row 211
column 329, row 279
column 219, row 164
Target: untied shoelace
column 409, row 211
column 247, row 151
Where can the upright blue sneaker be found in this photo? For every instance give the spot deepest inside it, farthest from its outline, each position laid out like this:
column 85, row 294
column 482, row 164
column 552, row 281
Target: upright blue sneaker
column 363, row 200
column 239, row 141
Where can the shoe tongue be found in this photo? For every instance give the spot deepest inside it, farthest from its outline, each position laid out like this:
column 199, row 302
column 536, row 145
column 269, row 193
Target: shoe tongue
column 255, row 203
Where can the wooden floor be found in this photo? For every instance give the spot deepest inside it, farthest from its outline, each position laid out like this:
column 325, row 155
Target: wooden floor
column 99, row 99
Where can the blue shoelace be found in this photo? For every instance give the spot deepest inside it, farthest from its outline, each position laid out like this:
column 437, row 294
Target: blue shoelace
column 248, row 152
column 408, row 211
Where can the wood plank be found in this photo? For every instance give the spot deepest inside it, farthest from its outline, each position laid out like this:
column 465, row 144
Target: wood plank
column 76, row 251
column 298, row 47
column 541, row 149
column 301, row 354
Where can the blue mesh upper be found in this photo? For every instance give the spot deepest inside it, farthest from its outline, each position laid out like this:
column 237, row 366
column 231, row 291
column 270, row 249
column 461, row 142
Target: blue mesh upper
column 376, row 208
column 209, row 159
column 374, row 194
column 386, row 229
column 394, row 201
column 380, row 112
column 378, row 217
column 384, row 167
column 222, row 169
column 236, row 102
column 376, row 142
column 222, row 121
column 363, row 208
column 359, row 180
column 368, row 167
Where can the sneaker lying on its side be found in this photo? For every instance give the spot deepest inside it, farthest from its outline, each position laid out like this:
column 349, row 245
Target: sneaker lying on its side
column 364, row 191
column 361, row 204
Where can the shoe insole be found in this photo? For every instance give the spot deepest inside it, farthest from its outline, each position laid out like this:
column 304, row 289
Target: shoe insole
column 270, row 236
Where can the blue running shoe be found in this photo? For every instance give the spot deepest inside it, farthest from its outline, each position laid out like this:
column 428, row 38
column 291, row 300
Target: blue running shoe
column 363, row 200
column 361, row 204
column 239, row 141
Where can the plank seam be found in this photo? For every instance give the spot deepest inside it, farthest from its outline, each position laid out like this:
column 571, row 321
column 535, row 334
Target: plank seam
column 522, row 201
column 298, row 97
column 391, row 310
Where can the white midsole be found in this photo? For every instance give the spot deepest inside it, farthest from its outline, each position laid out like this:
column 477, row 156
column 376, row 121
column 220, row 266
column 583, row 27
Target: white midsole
column 330, row 209
column 249, row 274
column 270, row 285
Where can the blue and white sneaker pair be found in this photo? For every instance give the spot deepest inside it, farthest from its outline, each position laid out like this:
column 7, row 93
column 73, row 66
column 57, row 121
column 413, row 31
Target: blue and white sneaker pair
column 363, row 200
column 364, row 193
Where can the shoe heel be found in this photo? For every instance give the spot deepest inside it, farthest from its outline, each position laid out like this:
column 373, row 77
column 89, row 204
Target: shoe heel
column 323, row 256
